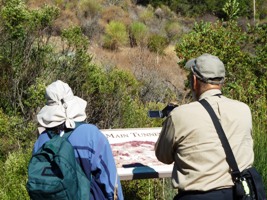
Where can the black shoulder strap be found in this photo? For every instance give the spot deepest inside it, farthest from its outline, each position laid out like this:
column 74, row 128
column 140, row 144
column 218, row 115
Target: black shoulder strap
column 227, row 148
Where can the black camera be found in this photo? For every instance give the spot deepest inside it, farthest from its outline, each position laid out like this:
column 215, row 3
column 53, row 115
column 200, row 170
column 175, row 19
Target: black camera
column 161, row 113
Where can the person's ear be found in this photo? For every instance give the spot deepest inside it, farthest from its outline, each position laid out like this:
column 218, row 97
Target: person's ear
column 194, row 83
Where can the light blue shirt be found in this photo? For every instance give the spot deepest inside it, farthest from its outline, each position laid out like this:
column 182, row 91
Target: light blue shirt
column 93, row 152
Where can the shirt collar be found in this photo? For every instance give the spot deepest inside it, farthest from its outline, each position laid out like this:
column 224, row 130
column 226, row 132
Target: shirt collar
column 209, row 93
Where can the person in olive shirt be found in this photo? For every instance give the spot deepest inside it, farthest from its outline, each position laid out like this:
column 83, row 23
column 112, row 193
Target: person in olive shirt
column 189, row 139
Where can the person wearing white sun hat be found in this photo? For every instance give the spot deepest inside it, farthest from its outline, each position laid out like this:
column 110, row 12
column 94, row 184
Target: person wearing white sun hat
column 63, row 112
column 61, row 107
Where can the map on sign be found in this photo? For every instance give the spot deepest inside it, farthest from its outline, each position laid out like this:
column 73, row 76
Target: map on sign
column 134, row 154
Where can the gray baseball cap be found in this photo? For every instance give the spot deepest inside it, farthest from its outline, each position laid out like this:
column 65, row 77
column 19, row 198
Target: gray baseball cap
column 208, row 68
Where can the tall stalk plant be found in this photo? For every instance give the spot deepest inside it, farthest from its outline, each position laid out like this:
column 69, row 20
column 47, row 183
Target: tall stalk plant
column 260, row 138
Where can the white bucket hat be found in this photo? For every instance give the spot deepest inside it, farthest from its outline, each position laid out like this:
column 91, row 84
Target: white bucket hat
column 61, row 106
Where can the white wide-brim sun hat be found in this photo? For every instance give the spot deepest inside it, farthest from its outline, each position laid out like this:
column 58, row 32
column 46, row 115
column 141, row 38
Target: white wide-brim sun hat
column 61, row 106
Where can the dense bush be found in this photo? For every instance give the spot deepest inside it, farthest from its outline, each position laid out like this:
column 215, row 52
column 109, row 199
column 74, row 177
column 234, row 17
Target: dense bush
column 16, row 133
column 23, row 52
column 16, row 141
column 14, row 175
column 227, row 41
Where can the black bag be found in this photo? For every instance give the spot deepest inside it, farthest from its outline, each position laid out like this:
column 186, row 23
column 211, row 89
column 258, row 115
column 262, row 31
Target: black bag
column 248, row 184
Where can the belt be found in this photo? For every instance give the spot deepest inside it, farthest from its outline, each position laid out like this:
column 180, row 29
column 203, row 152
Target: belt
column 183, row 192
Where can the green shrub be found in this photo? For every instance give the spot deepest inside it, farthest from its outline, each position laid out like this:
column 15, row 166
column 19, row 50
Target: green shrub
column 225, row 41
column 23, row 51
column 108, row 92
column 35, row 97
column 147, row 15
column 16, row 132
column 15, row 17
column 139, row 33
column 260, row 137
column 75, row 39
column 115, row 35
column 157, row 43
column 14, row 175
column 173, row 30
column 231, row 9
column 259, row 106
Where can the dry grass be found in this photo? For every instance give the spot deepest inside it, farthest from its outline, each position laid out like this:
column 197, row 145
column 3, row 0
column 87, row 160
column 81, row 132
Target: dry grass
column 67, row 19
column 33, row 4
column 135, row 60
column 115, row 13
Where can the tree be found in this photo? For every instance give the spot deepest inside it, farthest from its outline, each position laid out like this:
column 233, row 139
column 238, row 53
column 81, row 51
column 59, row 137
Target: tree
column 23, row 50
column 228, row 43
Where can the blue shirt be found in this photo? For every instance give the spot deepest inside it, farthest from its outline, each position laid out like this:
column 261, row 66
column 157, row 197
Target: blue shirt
column 93, row 152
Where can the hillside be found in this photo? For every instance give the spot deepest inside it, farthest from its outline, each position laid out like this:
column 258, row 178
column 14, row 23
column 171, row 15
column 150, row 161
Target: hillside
column 134, row 60
column 158, row 70
column 93, row 18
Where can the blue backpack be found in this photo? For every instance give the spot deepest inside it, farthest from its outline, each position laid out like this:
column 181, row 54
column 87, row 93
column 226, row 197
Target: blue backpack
column 54, row 173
